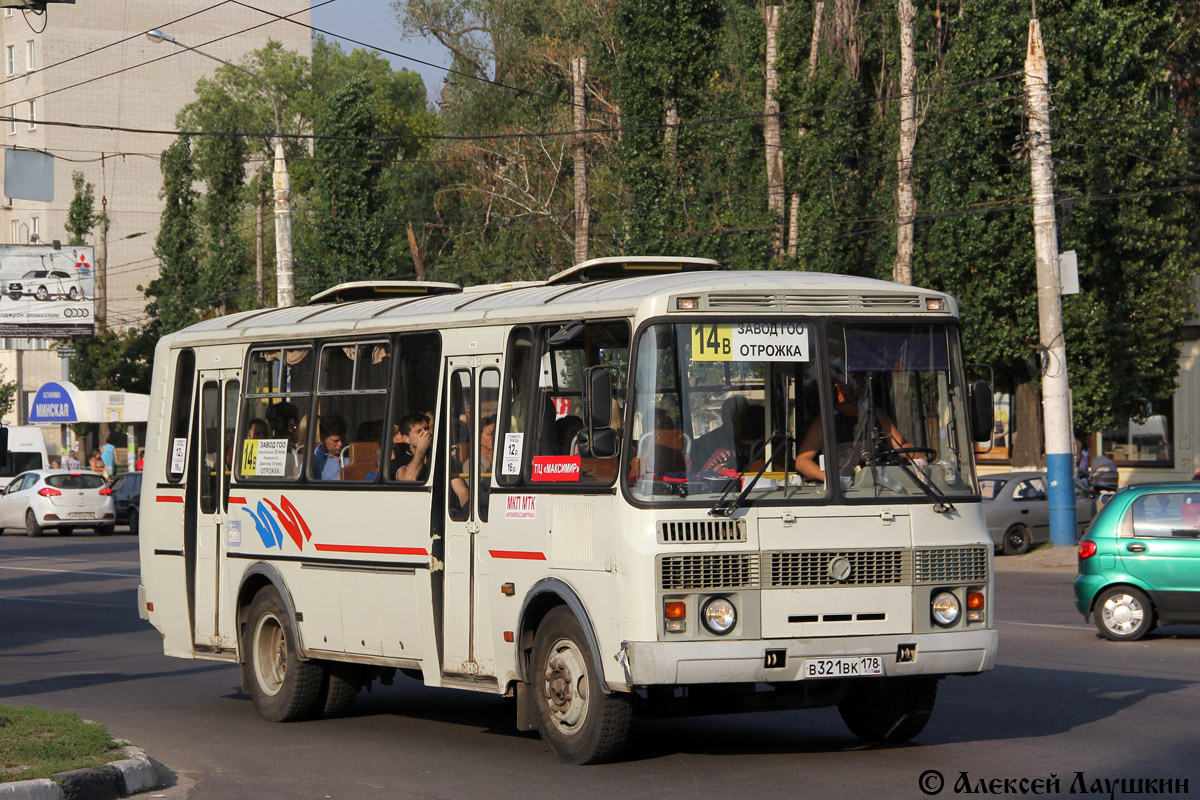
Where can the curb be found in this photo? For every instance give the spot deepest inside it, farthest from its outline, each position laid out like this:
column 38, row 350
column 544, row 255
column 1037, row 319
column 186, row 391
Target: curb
column 130, row 775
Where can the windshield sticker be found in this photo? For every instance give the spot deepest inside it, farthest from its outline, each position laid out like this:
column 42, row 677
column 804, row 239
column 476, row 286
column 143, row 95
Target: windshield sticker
column 750, row 341
column 555, row 468
column 264, row 458
column 510, row 464
column 520, row 506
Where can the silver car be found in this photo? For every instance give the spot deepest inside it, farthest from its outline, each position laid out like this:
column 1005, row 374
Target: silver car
column 1018, row 511
column 57, row 498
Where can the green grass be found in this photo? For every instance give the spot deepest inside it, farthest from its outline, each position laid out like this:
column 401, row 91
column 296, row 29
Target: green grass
column 35, row 743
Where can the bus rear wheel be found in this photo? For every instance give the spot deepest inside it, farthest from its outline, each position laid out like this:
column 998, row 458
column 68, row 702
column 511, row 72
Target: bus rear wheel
column 284, row 688
column 578, row 721
column 888, row 709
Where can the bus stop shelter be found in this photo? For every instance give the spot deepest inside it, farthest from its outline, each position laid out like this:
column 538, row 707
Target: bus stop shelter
column 64, row 403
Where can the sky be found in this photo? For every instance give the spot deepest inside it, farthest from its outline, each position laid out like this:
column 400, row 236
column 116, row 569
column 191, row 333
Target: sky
column 374, row 22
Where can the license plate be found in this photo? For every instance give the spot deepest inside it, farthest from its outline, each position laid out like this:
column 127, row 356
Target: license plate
column 843, row 667
column 79, row 515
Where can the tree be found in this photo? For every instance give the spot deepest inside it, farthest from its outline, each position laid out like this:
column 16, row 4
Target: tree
column 81, row 214
column 173, row 294
column 8, row 393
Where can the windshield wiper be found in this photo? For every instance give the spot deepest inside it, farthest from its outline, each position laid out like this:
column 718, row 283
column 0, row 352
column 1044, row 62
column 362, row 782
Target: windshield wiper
column 720, row 509
column 940, row 503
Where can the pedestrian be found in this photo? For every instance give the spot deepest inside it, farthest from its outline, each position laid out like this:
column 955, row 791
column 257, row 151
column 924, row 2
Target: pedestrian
column 72, row 461
column 109, row 456
column 97, row 465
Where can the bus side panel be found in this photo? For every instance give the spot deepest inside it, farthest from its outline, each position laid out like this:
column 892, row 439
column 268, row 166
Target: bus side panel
column 160, row 542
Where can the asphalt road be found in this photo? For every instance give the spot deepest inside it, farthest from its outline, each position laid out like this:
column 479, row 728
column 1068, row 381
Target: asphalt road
column 1061, row 701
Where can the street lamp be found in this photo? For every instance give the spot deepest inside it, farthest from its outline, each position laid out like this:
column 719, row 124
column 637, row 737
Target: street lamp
column 284, row 278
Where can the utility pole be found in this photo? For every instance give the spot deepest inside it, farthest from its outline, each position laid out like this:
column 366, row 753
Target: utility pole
column 583, row 212
column 1056, row 397
column 772, row 137
column 906, row 196
column 102, row 269
column 259, row 294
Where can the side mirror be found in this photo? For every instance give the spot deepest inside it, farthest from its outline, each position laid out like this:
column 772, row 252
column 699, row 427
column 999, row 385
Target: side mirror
column 982, row 411
column 597, row 397
column 598, row 440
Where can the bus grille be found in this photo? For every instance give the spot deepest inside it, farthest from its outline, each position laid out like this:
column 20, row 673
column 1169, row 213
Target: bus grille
column 709, row 571
column 812, row 568
column 951, row 564
column 701, row 530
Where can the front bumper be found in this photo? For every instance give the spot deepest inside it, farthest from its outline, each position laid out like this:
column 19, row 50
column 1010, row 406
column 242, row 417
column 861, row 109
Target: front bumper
column 682, row 663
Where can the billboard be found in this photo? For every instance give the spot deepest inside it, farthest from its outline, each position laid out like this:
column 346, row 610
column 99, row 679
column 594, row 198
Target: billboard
column 47, row 292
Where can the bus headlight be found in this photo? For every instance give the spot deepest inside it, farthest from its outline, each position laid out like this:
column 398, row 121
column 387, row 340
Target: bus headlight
column 719, row 615
column 945, row 609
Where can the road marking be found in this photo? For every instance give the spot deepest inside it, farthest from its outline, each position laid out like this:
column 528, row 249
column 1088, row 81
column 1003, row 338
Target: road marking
column 69, row 602
column 73, row 572
column 1046, row 625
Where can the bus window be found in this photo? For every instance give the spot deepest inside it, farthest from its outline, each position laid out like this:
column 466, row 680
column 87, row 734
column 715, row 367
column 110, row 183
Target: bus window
column 181, row 407
column 516, row 404
column 351, row 405
column 557, row 403
column 461, row 430
column 277, row 388
column 414, row 397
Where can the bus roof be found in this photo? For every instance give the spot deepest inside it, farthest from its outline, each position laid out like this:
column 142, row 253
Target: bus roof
column 596, row 288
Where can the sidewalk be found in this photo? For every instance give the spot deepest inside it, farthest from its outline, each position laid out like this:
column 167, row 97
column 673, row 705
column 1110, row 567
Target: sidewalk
column 133, row 774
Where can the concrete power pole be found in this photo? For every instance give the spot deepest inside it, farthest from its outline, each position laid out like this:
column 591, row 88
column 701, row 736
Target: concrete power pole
column 582, row 210
column 1056, row 397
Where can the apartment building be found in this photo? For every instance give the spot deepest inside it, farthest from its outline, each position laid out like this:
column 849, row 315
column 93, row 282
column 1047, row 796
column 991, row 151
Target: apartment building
column 90, row 65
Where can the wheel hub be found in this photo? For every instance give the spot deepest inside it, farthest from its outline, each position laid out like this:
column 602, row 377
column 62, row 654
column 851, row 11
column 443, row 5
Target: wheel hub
column 566, row 686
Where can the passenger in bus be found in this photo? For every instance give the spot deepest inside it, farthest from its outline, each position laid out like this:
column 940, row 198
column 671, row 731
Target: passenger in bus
column 726, row 446
column 257, row 429
column 856, row 424
column 410, row 452
column 566, row 428
column 326, row 459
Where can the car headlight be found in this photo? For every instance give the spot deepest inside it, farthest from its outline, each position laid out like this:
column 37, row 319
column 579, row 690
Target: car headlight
column 945, row 609
column 719, row 616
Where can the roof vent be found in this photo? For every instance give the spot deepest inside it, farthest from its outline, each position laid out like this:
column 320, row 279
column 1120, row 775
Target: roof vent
column 607, row 269
column 382, row 290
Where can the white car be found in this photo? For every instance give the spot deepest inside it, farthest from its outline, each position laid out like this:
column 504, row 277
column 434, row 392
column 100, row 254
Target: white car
column 57, row 498
column 46, row 284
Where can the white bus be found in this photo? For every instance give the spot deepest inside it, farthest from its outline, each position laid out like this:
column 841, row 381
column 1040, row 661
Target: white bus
column 606, row 516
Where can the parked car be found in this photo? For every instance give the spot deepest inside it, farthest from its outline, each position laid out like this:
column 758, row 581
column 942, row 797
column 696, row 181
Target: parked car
column 57, row 498
column 1139, row 564
column 1018, row 511
column 126, row 493
column 46, row 284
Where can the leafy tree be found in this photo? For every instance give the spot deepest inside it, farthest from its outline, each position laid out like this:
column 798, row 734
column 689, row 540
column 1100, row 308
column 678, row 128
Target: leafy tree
column 8, row 393
column 173, row 294
column 111, row 360
column 81, row 214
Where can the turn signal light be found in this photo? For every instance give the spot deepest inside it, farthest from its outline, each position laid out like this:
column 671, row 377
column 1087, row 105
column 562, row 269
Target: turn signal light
column 1087, row 549
column 675, row 616
column 975, row 606
column 49, row 492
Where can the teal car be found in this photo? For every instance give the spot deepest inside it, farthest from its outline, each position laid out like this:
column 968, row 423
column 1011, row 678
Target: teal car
column 1139, row 563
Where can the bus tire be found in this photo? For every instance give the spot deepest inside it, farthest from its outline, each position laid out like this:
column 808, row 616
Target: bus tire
column 338, row 690
column 578, row 721
column 284, row 688
column 888, row 709
column 31, row 524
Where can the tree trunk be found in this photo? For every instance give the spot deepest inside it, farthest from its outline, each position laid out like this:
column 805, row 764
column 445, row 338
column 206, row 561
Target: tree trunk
column 1027, row 428
column 906, row 198
column 814, row 48
column 582, row 211
column 772, row 139
column 794, row 226
column 845, row 20
column 418, row 265
column 671, row 134
column 259, row 294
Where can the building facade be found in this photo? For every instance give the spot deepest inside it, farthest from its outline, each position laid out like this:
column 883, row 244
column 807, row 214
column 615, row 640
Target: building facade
column 90, row 64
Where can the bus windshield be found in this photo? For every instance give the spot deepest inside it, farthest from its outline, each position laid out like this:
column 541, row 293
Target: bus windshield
column 719, row 405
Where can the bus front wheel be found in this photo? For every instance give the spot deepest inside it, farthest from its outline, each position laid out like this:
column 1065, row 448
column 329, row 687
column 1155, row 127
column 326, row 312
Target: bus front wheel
column 284, row 688
column 888, row 709
column 578, row 721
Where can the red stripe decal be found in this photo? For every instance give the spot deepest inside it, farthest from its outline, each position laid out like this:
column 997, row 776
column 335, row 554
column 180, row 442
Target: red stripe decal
column 238, row 500
column 519, row 554
column 168, row 498
column 360, row 548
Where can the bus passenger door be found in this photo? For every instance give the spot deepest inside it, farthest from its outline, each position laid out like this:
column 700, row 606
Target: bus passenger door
column 212, row 466
column 471, row 401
